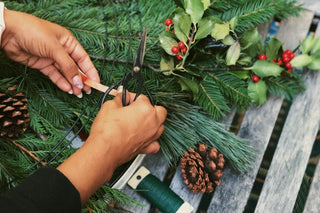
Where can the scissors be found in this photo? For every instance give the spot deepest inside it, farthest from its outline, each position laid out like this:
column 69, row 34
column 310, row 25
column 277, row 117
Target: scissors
column 134, row 74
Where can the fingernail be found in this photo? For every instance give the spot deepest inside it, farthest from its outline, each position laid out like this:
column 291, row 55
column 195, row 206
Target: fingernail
column 70, row 92
column 120, row 89
column 88, row 92
column 77, row 82
column 80, row 95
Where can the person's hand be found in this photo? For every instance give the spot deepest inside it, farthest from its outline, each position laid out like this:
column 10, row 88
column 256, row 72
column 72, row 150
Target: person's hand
column 135, row 128
column 117, row 135
column 48, row 47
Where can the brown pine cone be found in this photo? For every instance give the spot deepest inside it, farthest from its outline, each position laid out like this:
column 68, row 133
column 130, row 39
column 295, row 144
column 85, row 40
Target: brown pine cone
column 202, row 168
column 14, row 116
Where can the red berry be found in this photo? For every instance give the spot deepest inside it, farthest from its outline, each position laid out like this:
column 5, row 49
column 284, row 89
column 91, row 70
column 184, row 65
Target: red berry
column 167, row 28
column 280, row 62
column 287, row 51
column 181, row 44
column 274, row 60
column 292, row 55
column 290, row 70
column 288, row 65
column 179, row 57
column 262, row 57
column 173, row 31
column 174, row 49
column 286, row 59
column 168, row 21
column 255, row 78
column 184, row 50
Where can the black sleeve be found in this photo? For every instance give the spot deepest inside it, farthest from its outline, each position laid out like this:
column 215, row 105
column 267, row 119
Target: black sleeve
column 46, row 191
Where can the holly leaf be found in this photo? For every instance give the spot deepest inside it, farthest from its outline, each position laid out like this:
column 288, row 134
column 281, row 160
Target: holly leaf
column 301, row 61
column 233, row 54
column 182, row 24
column 265, row 68
column 167, row 63
column 166, row 42
column 228, row 40
column 195, row 9
column 242, row 74
column 189, row 85
column 316, row 46
column 220, row 31
column 272, row 49
column 315, row 64
column 247, row 60
column 206, row 4
column 204, row 28
column 249, row 38
column 257, row 92
column 307, row 44
column 233, row 23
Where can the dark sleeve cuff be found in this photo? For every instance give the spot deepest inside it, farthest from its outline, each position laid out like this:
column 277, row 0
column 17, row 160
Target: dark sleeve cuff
column 47, row 190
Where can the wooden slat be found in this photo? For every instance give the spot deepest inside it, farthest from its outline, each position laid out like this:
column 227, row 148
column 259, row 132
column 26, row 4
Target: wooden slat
column 313, row 201
column 312, row 5
column 158, row 167
column 257, row 128
column 291, row 157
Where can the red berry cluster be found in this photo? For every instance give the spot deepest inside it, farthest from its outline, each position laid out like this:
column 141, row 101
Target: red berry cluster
column 179, row 50
column 285, row 59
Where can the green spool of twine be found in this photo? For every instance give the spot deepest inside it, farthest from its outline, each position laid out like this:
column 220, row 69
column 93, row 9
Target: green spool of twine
column 158, row 193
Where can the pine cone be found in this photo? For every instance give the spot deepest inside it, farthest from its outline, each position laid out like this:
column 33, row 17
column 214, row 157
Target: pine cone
column 14, row 116
column 202, row 168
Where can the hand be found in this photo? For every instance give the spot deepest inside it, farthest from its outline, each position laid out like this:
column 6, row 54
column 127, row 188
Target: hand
column 136, row 127
column 117, row 135
column 48, row 47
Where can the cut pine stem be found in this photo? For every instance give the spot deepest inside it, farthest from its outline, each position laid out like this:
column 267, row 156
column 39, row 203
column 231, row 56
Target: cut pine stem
column 27, row 151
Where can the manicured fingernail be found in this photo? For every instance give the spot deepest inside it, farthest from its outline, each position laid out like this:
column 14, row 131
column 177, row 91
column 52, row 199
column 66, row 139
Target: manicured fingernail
column 120, row 89
column 70, row 92
column 80, row 95
column 88, row 92
column 77, row 82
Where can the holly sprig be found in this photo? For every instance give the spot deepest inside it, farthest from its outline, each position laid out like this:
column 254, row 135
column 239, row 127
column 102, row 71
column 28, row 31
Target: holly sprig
column 205, row 52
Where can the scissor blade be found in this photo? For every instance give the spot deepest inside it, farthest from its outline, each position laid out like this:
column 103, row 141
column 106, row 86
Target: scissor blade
column 138, row 61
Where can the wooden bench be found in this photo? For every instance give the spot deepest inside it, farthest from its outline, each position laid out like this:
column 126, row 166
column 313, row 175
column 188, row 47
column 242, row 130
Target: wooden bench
column 292, row 152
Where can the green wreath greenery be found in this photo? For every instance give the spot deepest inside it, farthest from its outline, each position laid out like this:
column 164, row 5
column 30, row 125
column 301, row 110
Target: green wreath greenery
column 219, row 66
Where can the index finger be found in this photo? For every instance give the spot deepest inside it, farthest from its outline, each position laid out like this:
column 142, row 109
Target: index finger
column 81, row 57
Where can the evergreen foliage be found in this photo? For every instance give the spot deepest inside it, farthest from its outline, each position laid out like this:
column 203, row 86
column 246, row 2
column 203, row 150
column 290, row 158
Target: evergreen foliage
column 254, row 12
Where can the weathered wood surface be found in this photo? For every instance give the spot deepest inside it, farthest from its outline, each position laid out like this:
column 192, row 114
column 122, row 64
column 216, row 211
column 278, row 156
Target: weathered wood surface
column 312, row 5
column 313, row 201
column 257, row 128
column 291, row 157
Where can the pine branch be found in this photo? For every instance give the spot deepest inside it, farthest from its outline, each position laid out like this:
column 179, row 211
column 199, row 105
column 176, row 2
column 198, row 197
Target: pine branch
column 211, row 98
column 187, row 125
column 253, row 13
column 232, row 88
column 284, row 87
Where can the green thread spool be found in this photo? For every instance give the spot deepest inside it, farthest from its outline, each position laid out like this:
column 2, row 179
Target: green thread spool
column 158, row 193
